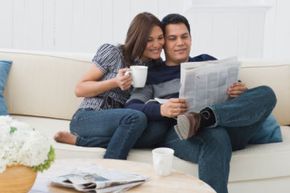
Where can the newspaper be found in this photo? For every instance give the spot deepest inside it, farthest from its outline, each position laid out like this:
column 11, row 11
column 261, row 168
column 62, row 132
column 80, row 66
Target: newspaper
column 206, row 83
column 99, row 180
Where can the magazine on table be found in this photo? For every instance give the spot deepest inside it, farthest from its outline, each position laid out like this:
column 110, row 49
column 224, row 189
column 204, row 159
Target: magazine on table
column 99, row 180
column 206, row 83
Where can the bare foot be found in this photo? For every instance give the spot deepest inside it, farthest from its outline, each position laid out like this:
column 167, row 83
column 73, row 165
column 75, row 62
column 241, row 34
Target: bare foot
column 65, row 137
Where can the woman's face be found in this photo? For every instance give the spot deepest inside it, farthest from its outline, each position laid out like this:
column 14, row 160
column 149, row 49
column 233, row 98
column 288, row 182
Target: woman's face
column 154, row 45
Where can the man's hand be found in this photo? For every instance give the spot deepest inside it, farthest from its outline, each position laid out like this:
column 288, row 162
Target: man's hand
column 123, row 79
column 173, row 107
column 236, row 89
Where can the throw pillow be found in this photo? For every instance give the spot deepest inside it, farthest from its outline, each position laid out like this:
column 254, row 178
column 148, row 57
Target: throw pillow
column 4, row 70
column 269, row 133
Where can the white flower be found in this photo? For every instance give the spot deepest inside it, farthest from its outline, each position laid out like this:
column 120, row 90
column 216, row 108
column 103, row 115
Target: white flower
column 21, row 144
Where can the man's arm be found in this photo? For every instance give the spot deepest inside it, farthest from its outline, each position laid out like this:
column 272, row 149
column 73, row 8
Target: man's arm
column 150, row 109
column 139, row 101
column 155, row 111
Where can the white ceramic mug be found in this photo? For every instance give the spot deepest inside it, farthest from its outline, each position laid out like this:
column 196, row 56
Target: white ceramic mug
column 162, row 160
column 139, row 75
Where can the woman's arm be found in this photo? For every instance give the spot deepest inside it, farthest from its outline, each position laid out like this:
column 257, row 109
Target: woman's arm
column 91, row 84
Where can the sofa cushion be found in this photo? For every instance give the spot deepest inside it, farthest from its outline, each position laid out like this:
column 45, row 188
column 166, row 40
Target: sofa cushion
column 36, row 78
column 4, row 70
column 269, row 133
column 255, row 162
column 60, row 102
column 49, row 127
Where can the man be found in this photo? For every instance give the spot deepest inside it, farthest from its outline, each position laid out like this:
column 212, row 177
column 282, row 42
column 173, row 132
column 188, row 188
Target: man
column 211, row 134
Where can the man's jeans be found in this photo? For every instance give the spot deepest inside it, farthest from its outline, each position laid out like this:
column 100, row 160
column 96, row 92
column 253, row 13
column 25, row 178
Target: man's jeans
column 237, row 121
column 114, row 129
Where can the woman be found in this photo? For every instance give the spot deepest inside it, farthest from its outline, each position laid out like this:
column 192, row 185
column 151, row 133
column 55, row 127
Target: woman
column 100, row 120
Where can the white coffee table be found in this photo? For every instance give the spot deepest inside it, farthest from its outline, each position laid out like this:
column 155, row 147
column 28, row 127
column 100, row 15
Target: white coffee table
column 175, row 182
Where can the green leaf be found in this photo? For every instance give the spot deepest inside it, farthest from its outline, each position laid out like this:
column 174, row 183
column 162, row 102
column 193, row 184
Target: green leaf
column 47, row 163
column 12, row 129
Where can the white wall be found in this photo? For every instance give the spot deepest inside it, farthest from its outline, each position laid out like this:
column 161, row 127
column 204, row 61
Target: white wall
column 277, row 30
column 226, row 28
column 246, row 28
column 72, row 25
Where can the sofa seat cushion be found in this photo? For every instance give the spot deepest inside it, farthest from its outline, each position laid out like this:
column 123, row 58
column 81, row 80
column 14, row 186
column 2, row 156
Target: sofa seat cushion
column 49, row 127
column 263, row 161
column 255, row 162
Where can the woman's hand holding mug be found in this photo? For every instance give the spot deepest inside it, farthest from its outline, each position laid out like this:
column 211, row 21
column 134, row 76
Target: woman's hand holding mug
column 123, row 79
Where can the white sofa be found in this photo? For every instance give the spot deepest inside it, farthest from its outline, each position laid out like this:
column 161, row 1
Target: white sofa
column 40, row 91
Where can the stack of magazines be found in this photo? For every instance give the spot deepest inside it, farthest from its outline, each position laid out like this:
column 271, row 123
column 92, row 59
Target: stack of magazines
column 99, row 180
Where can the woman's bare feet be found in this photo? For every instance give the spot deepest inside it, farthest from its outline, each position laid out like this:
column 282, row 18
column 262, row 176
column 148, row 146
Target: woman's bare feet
column 65, row 137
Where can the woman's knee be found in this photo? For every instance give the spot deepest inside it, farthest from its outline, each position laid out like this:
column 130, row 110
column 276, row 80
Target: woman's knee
column 141, row 118
column 134, row 117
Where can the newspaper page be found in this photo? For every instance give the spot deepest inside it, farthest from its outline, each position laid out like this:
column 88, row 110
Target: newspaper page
column 99, row 180
column 206, row 83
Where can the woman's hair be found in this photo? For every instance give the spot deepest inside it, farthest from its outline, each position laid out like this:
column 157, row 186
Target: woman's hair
column 137, row 36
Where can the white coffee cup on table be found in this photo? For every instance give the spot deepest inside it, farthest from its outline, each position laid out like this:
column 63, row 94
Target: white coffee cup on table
column 162, row 160
column 139, row 75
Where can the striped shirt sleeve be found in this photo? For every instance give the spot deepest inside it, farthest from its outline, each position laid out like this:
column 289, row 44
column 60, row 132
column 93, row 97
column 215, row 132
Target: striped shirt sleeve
column 107, row 57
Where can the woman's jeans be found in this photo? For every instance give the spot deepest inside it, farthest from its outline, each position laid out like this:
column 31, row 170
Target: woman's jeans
column 114, row 129
column 237, row 120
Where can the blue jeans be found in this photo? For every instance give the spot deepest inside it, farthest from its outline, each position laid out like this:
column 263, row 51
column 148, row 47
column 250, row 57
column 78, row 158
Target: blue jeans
column 211, row 149
column 237, row 120
column 153, row 134
column 243, row 116
column 114, row 129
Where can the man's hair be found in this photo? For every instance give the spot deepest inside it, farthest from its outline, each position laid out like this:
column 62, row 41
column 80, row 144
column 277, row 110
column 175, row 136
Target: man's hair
column 137, row 36
column 175, row 18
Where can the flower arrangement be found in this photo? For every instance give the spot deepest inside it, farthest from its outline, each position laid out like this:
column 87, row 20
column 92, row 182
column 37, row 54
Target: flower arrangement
column 21, row 144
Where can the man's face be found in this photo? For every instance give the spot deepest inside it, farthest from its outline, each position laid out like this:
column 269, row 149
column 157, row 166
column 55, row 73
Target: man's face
column 177, row 44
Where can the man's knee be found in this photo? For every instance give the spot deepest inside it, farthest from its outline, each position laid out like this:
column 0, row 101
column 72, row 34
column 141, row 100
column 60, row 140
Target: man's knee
column 268, row 93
